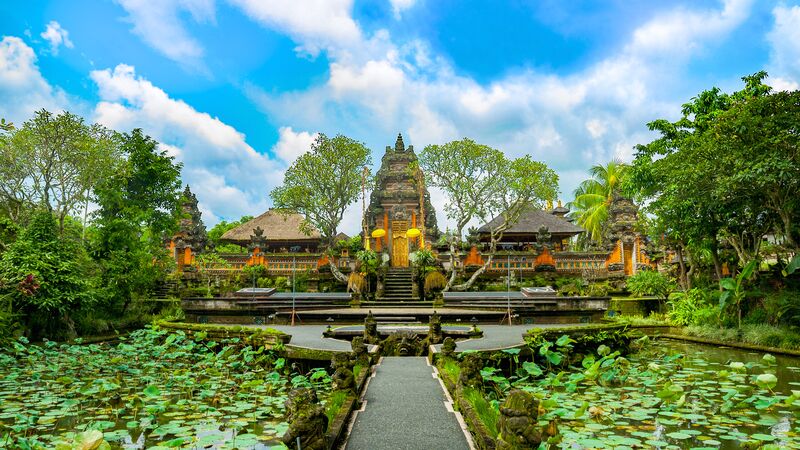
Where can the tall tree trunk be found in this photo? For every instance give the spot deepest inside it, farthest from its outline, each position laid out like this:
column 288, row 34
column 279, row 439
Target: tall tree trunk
column 451, row 281
column 339, row 276
column 681, row 267
column 717, row 264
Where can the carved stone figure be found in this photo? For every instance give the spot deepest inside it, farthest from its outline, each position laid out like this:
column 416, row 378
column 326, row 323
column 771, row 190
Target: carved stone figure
column 360, row 351
column 471, row 367
column 403, row 343
column 518, row 424
column 448, row 347
column 307, row 420
column 342, row 378
column 435, row 329
column 371, row 329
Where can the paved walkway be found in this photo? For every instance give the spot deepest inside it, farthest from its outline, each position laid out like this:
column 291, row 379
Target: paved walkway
column 405, row 410
column 501, row 336
column 310, row 336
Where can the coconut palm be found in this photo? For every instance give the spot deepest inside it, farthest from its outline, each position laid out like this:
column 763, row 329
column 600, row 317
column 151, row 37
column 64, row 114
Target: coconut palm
column 592, row 197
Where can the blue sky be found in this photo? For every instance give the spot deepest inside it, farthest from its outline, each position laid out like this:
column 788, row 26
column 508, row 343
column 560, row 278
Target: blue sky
column 236, row 89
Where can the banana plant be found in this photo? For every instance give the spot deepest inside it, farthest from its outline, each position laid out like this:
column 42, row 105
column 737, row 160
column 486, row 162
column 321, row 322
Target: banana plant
column 734, row 289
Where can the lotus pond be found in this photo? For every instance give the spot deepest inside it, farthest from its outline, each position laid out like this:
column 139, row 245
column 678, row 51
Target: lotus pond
column 154, row 389
column 667, row 395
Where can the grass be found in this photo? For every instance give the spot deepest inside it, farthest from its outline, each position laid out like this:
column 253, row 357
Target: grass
column 487, row 413
column 356, row 370
column 652, row 319
column 334, row 404
column 756, row 334
column 451, row 369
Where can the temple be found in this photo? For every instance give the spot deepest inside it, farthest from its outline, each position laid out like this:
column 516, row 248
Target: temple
column 400, row 203
column 401, row 219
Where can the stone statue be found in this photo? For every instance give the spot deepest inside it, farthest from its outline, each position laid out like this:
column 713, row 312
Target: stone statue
column 518, row 424
column 435, row 329
column 371, row 329
column 342, row 378
column 403, row 343
column 471, row 367
column 360, row 351
column 448, row 347
column 307, row 420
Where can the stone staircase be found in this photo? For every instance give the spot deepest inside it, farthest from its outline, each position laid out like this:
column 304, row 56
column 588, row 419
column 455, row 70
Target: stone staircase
column 397, row 287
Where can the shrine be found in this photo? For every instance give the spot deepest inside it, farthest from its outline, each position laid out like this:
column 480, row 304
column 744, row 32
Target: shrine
column 400, row 213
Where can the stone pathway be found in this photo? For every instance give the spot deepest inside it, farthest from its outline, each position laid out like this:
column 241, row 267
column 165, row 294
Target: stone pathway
column 310, row 336
column 405, row 410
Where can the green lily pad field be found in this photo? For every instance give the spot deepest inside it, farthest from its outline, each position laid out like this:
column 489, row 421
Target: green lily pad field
column 668, row 396
column 154, row 389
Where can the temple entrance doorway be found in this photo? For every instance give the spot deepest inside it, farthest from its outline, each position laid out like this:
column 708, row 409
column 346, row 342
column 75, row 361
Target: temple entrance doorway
column 628, row 257
column 399, row 243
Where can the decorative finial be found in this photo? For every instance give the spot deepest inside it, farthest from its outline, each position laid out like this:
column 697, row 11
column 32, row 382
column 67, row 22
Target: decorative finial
column 559, row 203
column 399, row 146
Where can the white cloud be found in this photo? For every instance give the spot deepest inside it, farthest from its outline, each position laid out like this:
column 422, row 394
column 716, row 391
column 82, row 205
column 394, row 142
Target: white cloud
column 785, row 52
column 23, row 89
column 159, row 25
column 315, row 24
column 398, row 6
column 229, row 177
column 377, row 87
column 56, row 36
column 292, row 144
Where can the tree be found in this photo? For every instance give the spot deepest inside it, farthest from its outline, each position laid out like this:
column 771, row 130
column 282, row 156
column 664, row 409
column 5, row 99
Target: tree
column 322, row 183
column 139, row 207
column 215, row 234
column 593, row 196
column 205, row 264
column 651, row 282
column 47, row 276
column 688, row 178
column 53, row 161
column 482, row 184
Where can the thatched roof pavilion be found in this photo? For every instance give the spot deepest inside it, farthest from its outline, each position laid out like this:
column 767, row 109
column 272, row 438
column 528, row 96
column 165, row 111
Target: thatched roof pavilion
column 532, row 220
column 282, row 229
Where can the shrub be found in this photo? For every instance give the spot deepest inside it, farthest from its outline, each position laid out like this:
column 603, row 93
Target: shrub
column 651, row 282
column 598, row 289
column 435, row 281
column 684, row 307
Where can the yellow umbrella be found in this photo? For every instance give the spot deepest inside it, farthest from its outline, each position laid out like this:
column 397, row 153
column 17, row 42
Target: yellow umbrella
column 413, row 232
column 378, row 233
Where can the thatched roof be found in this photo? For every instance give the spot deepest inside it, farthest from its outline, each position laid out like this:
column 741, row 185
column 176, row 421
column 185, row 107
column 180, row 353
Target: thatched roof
column 531, row 220
column 277, row 225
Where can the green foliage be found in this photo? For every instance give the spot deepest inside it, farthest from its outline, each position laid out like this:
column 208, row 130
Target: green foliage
column 481, row 184
column 733, row 293
column 488, row 412
column 323, row 182
column 156, row 387
column 46, row 276
column 206, row 263
column 216, row 232
column 651, row 282
column 434, row 281
column 593, row 196
column 139, row 206
column 687, row 308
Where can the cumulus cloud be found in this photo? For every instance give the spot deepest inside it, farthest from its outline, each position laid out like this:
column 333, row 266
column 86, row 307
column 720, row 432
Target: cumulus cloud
column 292, row 144
column 229, row 177
column 159, row 25
column 377, row 86
column 785, row 48
column 398, row 6
column 56, row 36
column 23, row 89
column 316, row 24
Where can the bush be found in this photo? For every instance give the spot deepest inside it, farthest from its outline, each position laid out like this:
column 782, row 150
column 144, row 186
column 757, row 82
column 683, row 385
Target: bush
column 685, row 306
column 598, row 289
column 651, row 282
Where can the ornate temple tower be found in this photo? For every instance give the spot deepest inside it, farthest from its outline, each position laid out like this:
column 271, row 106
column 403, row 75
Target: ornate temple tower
column 191, row 236
column 396, row 203
column 622, row 240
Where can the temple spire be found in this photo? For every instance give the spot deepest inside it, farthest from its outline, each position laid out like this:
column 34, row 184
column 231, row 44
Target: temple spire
column 399, row 146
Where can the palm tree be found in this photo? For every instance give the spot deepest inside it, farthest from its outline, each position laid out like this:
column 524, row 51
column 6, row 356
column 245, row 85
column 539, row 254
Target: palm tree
column 592, row 197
